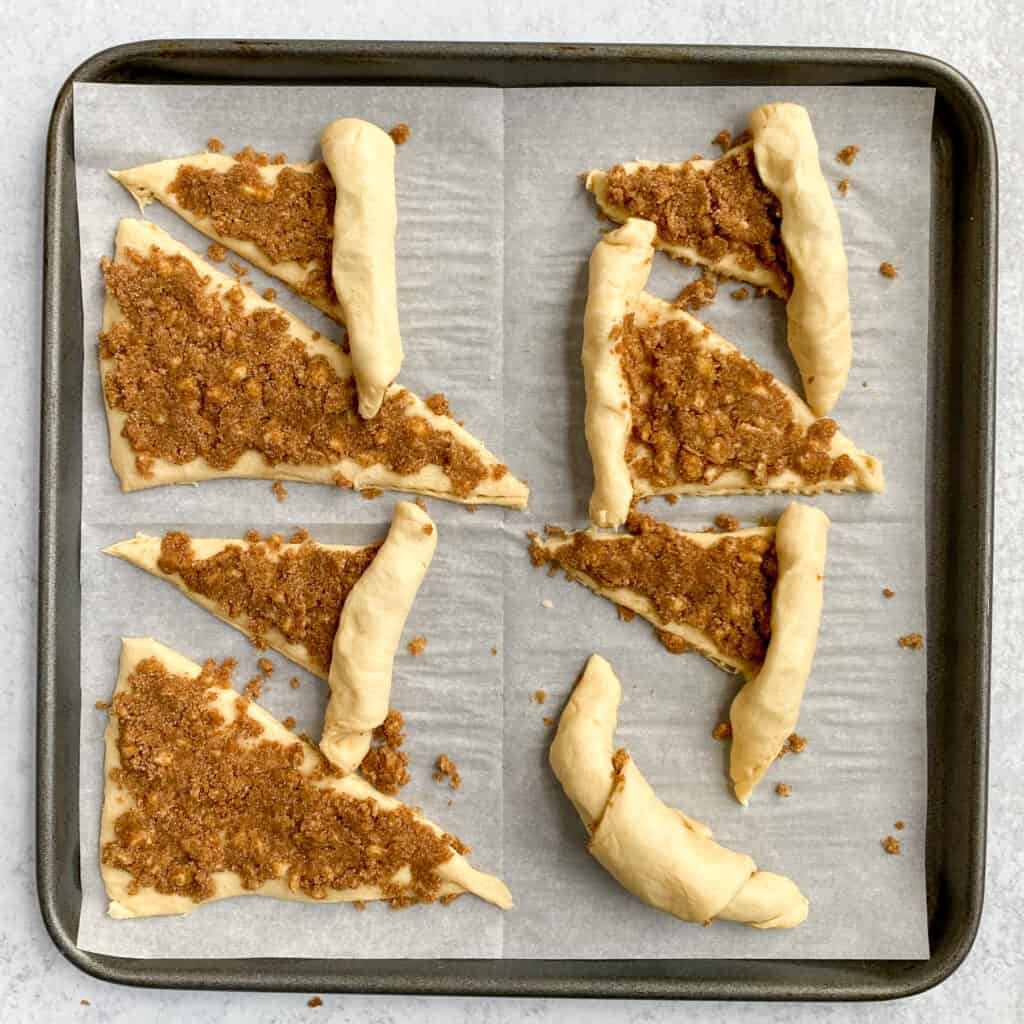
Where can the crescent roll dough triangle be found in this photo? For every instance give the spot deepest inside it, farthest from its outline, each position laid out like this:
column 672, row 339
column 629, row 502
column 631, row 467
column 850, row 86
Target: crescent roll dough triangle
column 203, row 378
column 369, row 632
column 674, row 408
column 762, row 213
column 159, row 798
column 657, row 853
column 316, row 578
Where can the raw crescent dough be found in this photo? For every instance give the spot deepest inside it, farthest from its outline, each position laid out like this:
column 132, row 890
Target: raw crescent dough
column 361, row 159
column 153, row 181
column 616, row 286
column 765, row 712
column 456, row 874
column 430, row 480
column 657, row 853
column 759, row 276
column 143, row 551
column 369, row 632
column 818, row 311
column 644, row 607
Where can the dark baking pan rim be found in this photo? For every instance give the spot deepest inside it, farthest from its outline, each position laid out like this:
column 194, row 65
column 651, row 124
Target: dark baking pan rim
column 959, row 508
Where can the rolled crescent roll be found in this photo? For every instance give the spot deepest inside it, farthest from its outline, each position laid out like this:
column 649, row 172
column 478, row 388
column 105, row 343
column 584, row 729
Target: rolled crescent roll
column 361, row 159
column 369, row 632
column 818, row 310
column 619, row 268
column 657, row 853
column 765, row 712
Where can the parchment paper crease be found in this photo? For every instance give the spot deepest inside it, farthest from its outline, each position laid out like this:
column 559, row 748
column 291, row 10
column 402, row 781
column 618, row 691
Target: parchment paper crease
column 494, row 235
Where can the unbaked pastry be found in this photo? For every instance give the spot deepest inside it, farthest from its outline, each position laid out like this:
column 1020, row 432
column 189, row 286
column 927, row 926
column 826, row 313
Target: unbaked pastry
column 657, row 853
column 128, row 900
column 369, row 632
column 818, row 307
column 497, row 486
column 548, row 549
column 308, row 278
column 619, row 268
column 361, row 159
column 143, row 551
column 765, row 712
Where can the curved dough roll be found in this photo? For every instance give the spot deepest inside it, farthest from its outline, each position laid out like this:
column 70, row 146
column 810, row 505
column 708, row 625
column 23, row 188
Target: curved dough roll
column 659, row 854
column 368, row 635
column 818, row 310
column 127, row 900
column 499, row 487
column 765, row 712
column 361, row 159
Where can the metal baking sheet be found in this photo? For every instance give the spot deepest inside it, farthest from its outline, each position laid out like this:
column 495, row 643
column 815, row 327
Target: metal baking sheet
column 546, row 975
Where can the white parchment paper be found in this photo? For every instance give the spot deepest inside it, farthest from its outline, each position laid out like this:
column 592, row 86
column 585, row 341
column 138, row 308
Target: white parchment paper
column 494, row 236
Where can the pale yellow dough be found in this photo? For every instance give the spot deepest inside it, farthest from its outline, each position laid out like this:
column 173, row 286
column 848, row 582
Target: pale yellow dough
column 361, row 159
column 618, row 269
column 143, row 551
column 431, row 480
column 456, row 874
column 818, row 306
column 765, row 712
column 153, row 181
column 626, row 597
column 657, row 853
column 369, row 632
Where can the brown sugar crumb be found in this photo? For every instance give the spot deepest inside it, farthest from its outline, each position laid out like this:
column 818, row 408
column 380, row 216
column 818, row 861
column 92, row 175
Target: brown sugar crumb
column 449, row 898
column 216, row 252
column 912, row 641
column 340, row 480
column 299, row 592
column 294, row 682
column 494, row 652
column 446, row 768
column 783, row 789
column 888, row 593
column 428, row 528
column 299, row 536
column 198, row 377
column 84, row 1002
column 102, row 705
column 548, row 721
column 417, row 645
column 280, row 491
column 726, row 523
column 370, row 493
column 671, row 499
column 672, row 643
column 552, row 570
column 899, row 826
column 724, row 588
column 438, row 405
column 270, row 294
column 400, row 134
column 289, row 722
column 624, row 613
column 550, row 530
column 844, row 186
column 315, row 1001
column 887, row 270
column 359, row 904
column 697, row 414
column 723, row 139
column 698, row 293
column 253, row 688
column 385, row 766
column 539, row 696
column 214, row 145
column 208, row 791
column 289, row 216
column 891, row 845
column 266, row 666
column 795, row 744
column 740, row 294
column 847, row 154
column 723, row 210
column 722, row 731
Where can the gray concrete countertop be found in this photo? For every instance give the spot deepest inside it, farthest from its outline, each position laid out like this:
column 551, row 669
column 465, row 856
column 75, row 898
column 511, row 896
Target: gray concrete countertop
column 41, row 44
